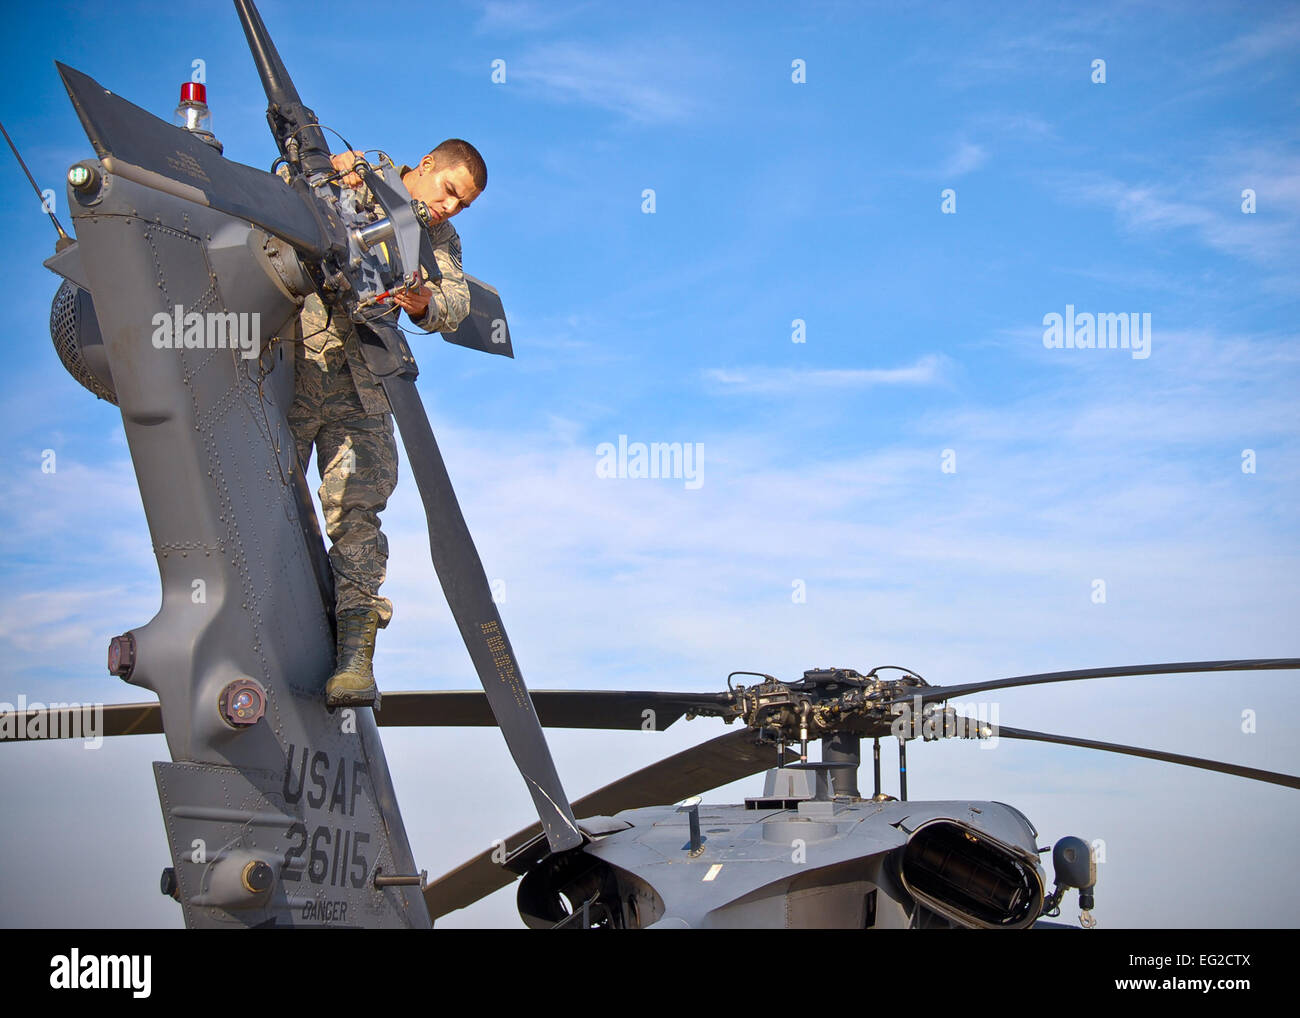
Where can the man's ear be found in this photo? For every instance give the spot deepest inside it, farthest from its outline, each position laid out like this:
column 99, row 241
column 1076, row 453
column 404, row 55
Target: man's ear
column 428, row 164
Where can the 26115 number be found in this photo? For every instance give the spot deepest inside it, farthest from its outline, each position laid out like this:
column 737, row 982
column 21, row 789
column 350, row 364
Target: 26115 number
column 324, row 857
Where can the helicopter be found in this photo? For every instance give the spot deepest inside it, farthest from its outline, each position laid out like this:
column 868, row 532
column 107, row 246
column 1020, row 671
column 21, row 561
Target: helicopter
column 810, row 853
column 211, row 708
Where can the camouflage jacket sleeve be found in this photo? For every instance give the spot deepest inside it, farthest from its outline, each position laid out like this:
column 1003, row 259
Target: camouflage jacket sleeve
column 450, row 302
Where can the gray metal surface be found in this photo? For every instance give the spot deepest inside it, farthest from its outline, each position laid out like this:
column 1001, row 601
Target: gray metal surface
column 708, row 765
column 317, row 838
column 793, row 868
column 137, row 145
column 215, row 463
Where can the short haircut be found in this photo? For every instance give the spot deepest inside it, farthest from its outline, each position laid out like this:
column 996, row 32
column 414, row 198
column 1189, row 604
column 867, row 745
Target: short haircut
column 455, row 152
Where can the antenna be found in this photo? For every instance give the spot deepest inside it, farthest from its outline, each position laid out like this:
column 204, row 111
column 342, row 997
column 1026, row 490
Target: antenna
column 64, row 240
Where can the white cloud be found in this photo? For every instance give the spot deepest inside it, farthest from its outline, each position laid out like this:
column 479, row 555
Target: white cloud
column 525, row 15
column 1207, row 203
column 966, row 158
column 646, row 86
column 928, row 370
column 1280, row 35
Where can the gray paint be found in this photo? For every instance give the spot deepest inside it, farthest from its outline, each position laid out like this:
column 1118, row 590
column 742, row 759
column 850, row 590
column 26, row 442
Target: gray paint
column 216, row 467
column 763, row 880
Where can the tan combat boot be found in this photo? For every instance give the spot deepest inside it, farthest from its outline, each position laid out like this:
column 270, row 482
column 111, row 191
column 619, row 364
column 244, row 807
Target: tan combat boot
column 353, row 681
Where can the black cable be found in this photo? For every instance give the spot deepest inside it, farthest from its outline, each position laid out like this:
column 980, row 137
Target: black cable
column 896, row 668
column 302, row 127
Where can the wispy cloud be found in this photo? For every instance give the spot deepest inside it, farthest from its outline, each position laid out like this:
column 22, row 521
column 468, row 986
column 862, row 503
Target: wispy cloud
column 929, row 370
column 1209, row 208
column 644, row 86
column 1281, row 35
column 966, row 158
column 1014, row 124
column 525, row 15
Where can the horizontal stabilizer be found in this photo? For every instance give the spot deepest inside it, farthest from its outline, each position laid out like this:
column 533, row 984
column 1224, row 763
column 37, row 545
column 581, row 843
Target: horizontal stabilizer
column 135, row 144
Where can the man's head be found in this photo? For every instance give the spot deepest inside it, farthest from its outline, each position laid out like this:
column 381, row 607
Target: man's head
column 448, row 179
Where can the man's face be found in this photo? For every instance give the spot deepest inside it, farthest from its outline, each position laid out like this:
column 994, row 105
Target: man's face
column 447, row 191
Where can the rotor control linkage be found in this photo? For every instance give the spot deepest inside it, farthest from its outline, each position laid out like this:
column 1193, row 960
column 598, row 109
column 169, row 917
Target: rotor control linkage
column 902, row 769
column 933, row 722
column 412, row 282
column 828, row 701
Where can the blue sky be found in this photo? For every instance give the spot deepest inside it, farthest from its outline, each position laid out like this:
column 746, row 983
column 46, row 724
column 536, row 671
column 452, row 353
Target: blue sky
column 774, row 201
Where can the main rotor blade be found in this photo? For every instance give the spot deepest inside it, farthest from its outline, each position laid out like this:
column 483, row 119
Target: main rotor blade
column 59, row 722
column 1254, row 773
column 556, row 708
column 469, row 595
column 607, row 709
column 931, row 694
column 716, row 762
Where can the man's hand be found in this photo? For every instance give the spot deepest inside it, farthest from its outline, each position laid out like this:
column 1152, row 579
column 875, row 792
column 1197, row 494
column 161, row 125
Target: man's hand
column 414, row 302
column 344, row 161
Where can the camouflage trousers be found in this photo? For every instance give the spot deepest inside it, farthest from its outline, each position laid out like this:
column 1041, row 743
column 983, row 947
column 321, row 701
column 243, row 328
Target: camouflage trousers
column 356, row 455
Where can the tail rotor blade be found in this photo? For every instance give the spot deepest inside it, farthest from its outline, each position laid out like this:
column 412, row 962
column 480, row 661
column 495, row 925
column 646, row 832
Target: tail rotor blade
column 469, row 595
column 292, row 123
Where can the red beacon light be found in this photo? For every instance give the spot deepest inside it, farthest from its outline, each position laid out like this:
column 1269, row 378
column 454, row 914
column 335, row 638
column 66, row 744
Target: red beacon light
column 193, row 115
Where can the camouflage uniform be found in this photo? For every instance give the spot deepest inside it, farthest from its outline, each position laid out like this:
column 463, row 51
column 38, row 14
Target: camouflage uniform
column 341, row 408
